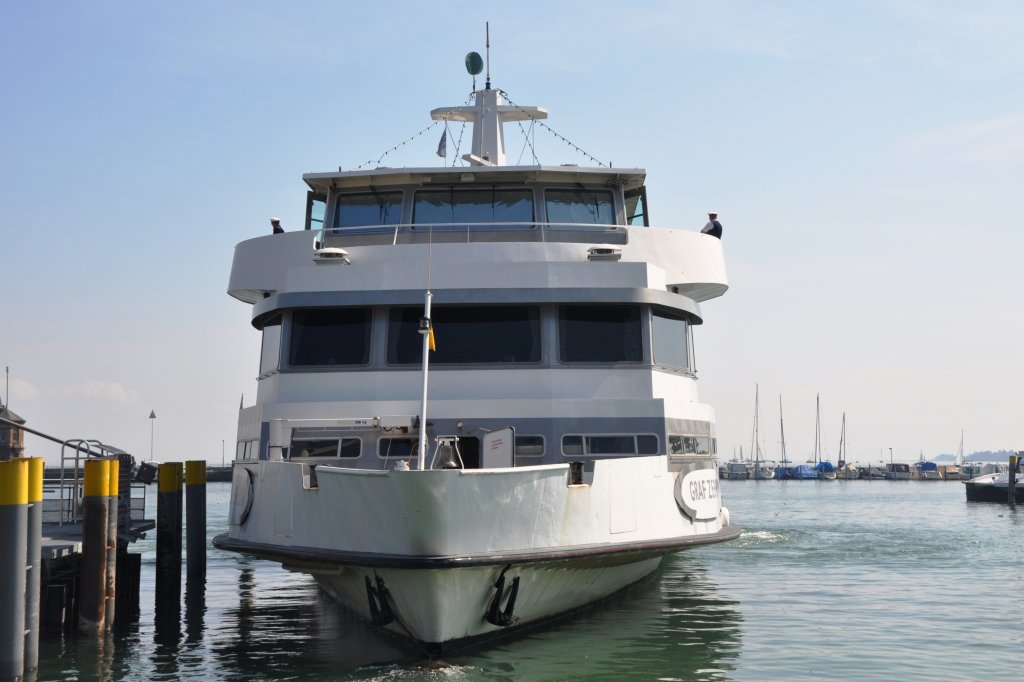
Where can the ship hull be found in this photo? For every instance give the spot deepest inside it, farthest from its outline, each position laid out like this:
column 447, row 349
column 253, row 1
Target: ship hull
column 444, row 557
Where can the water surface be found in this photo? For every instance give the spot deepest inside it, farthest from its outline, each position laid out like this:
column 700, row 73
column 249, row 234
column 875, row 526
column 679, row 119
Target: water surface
column 848, row 580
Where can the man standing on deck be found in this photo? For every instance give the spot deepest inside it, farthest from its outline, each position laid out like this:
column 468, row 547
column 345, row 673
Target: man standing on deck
column 276, row 224
column 714, row 228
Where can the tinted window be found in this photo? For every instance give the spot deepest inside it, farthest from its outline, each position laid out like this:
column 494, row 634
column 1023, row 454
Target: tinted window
column 271, row 346
column 647, row 445
column 402, row 448
column 599, row 333
column 572, row 445
column 473, row 206
column 337, row 336
column 580, row 205
column 610, row 445
column 465, row 334
column 529, row 445
column 669, row 332
column 376, row 208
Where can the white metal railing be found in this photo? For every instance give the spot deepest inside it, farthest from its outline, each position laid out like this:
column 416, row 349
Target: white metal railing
column 543, row 231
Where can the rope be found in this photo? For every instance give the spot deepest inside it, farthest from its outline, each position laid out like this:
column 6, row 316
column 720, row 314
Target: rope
column 408, row 140
column 400, row 144
column 550, row 130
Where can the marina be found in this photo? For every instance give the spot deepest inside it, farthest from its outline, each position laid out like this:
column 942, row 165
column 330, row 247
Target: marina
column 475, row 403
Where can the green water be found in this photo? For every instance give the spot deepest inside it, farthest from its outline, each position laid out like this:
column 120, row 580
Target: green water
column 830, row 580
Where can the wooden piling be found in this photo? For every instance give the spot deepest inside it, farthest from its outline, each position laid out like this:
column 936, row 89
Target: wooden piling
column 195, row 512
column 168, row 543
column 1011, row 487
column 110, row 574
column 14, row 526
column 34, row 559
column 92, row 590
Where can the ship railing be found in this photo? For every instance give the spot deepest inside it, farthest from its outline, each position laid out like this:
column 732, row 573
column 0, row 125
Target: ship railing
column 419, row 233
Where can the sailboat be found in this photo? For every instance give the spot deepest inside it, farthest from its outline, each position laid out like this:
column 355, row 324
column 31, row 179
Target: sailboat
column 782, row 471
column 800, row 472
column 763, row 471
column 845, row 470
column 826, row 471
column 956, row 471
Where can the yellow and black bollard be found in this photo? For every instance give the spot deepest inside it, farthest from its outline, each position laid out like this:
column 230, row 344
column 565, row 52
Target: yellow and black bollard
column 14, row 526
column 92, row 589
column 168, row 551
column 195, row 513
column 35, row 561
column 110, row 582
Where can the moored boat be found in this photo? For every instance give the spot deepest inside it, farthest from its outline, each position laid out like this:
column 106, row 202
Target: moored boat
column 565, row 451
column 994, row 488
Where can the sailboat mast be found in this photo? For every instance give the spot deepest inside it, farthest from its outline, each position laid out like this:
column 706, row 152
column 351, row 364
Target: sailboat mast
column 782, row 434
column 756, row 447
column 817, row 427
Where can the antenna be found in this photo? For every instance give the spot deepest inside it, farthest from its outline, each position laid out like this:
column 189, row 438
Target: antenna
column 487, row 83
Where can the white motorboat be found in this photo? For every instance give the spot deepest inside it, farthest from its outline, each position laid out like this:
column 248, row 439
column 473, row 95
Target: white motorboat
column 565, row 451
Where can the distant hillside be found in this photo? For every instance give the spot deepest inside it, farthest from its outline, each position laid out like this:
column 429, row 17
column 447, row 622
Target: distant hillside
column 983, row 456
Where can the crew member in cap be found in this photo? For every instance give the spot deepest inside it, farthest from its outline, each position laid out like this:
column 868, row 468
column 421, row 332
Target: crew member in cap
column 276, row 224
column 714, row 228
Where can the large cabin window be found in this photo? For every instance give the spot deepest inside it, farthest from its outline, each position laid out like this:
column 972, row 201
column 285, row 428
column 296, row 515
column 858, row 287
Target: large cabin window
column 473, row 206
column 670, row 335
column 599, row 333
column 329, row 336
column 367, row 209
column 325, row 447
column 626, row 444
column 580, row 205
column 467, row 335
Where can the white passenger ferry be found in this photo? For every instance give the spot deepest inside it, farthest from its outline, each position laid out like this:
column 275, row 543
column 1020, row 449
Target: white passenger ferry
column 553, row 452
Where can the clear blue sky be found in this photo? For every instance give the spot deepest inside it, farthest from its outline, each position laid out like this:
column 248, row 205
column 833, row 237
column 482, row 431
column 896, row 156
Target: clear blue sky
column 866, row 159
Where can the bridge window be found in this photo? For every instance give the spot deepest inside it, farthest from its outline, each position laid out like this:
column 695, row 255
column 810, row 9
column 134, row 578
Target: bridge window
column 466, row 206
column 669, row 334
column 467, row 335
column 335, row 336
column 580, row 205
column 599, row 333
column 636, row 207
column 269, row 353
column 366, row 209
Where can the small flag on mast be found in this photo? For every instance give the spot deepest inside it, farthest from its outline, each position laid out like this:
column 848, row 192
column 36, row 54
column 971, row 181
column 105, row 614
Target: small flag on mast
column 430, row 339
column 442, row 146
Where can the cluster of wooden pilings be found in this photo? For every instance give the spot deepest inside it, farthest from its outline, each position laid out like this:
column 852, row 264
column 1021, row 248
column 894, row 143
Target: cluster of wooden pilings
column 99, row 585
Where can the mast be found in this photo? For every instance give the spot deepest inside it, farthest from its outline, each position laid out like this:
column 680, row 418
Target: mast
column 782, row 434
column 817, row 427
column 842, row 443
column 755, row 446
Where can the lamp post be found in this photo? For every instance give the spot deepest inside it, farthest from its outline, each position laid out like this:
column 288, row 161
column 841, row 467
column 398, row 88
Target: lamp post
column 152, row 420
column 890, row 457
column 221, row 453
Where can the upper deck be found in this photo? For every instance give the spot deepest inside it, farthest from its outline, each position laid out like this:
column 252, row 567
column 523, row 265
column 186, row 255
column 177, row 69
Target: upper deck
column 486, row 226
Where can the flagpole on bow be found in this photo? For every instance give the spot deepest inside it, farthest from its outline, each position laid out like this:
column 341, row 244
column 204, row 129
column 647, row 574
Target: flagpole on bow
column 427, row 331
